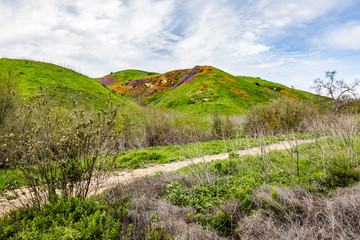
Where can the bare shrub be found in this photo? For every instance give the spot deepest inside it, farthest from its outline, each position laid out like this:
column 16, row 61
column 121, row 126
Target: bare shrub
column 342, row 127
column 145, row 213
column 196, row 232
column 169, row 128
column 284, row 115
column 223, row 127
column 339, row 92
column 296, row 214
column 55, row 154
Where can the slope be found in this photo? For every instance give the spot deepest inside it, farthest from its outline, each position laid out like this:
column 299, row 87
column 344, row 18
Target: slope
column 61, row 84
column 205, row 89
column 114, row 79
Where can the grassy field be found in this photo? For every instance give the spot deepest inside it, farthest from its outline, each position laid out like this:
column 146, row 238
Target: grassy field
column 61, row 84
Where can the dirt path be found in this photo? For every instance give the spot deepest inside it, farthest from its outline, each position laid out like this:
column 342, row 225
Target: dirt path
column 127, row 176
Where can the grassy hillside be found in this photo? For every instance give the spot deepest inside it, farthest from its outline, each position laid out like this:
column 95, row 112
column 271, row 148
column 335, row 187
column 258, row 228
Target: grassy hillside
column 114, row 79
column 203, row 89
column 62, row 84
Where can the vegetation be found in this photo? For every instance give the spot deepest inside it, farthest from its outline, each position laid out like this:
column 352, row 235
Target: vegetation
column 114, row 79
column 280, row 116
column 62, row 84
column 53, row 158
column 203, row 89
column 340, row 93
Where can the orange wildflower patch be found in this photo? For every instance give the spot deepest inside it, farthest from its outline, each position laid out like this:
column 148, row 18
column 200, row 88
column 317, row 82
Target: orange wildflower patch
column 229, row 79
column 288, row 94
column 241, row 93
column 202, row 88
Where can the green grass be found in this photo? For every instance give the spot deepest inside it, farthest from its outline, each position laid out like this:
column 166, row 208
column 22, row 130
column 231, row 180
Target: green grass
column 224, row 93
column 208, row 90
column 124, row 76
column 140, row 158
column 62, row 84
column 319, row 166
column 322, row 166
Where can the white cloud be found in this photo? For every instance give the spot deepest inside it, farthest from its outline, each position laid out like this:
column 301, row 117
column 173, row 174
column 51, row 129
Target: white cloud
column 99, row 36
column 345, row 37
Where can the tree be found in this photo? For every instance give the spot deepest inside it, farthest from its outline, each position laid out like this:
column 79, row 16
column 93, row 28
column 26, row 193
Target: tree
column 8, row 88
column 339, row 91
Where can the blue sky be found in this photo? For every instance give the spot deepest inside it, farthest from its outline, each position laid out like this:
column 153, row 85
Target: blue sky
column 290, row 42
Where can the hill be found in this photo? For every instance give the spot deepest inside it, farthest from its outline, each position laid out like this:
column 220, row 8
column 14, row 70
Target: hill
column 202, row 89
column 114, row 79
column 62, row 84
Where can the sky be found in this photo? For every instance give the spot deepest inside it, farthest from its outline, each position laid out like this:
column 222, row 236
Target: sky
column 285, row 41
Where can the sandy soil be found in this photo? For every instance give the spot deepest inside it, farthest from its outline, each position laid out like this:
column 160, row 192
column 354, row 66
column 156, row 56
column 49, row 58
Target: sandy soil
column 127, row 176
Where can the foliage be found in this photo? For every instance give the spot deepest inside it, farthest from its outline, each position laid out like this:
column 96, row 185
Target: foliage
column 64, row 218
column 201, row 197
column 342, row 173
column 57, row 152
column 283, row 115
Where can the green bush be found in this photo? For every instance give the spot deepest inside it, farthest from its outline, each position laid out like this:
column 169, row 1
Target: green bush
column 201, row 197
column 341, row 174
column 64, row 218
column 284, row 115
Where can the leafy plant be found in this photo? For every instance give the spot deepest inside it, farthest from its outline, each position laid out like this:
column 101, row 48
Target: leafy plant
column 342, row 173
column 64, row 218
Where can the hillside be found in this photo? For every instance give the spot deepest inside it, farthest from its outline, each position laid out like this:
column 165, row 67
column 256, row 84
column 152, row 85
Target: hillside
column 114, row 79
column 62, row 84
column 202, row 89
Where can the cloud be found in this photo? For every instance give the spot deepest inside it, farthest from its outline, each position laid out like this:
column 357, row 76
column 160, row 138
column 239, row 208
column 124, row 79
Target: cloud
column 345, row 37
column 215, row 33
column 262, row 38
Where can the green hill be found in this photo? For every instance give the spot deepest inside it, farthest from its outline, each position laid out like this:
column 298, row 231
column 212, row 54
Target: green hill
column 114, row 79
column 203, row 89
column 62, row 84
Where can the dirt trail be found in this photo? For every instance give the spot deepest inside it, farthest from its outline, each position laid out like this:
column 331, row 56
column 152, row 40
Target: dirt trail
column 127, row 176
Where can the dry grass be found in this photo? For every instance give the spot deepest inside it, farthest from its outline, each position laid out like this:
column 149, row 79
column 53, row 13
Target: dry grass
column 196, row 232
column 297, row 214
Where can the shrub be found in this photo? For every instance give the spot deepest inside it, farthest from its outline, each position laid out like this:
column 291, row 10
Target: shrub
column 59, row 152
column 64, row 218
column 341, row 174
column 201, row 197
column 284, row 115
column 223, row 128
